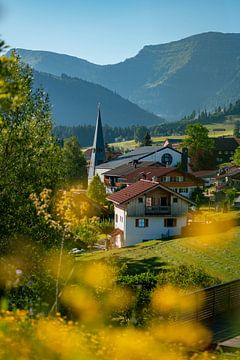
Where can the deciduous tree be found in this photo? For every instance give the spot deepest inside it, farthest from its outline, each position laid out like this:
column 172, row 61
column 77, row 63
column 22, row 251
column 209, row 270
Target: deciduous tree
column 30, row 160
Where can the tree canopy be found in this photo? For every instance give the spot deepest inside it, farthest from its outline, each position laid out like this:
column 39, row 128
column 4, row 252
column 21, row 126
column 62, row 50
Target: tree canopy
column 30, row 159
column 197, row 138
column 74, row 161
column 97, row 191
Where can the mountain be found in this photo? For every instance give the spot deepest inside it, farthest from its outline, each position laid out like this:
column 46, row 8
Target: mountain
column 75, row 101
column 172, row 79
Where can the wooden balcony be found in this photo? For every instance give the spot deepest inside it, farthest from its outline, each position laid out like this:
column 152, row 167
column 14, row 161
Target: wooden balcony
column 158, row 210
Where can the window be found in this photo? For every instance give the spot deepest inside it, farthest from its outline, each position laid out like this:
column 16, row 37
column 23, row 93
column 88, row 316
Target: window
column 167, row 159
column 116, row 217
column 121, row 218
column 183, row 190
column 148, row 201
column 140, row 200
column 170, row 222
column 141, row 223
column 175, row 200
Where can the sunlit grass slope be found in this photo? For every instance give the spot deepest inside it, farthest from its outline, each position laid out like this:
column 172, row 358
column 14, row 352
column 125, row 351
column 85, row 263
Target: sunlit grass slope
column 159, row 140
column 217, row 254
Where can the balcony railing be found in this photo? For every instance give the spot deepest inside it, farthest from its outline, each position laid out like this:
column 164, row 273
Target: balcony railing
column 156, row 209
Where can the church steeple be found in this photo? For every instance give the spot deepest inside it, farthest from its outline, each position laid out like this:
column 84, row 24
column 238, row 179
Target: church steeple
column 98, row 149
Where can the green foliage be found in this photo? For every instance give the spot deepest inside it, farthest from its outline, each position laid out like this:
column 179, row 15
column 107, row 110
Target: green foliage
column 197, row 138
column 236, row 131
column 106, row 227
column 97, row 191
column 230, row 195
column 187, row 276
column 74, row 161
column 236, row 156
column 140, row 133
column 147, row 141
column 29, row 158
column 87, row 231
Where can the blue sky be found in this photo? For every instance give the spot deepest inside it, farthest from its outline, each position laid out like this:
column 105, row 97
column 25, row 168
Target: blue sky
column 104, row 31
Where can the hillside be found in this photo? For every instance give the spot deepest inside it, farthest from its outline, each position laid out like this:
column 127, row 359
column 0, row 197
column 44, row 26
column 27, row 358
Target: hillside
column 201, row 71
column 75, row 101
column 217, row 254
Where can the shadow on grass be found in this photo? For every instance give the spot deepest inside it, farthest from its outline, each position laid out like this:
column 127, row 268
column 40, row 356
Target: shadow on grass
column 138, row 266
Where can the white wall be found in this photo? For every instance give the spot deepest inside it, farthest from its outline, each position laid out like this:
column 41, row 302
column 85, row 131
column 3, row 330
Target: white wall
column 100, row 172
column 155, row 230
column 121, row 218
column 158, row 156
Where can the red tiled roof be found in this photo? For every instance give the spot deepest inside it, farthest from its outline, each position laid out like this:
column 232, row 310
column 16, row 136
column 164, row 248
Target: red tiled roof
column 205, row 173
column 132, row 191
column 149, row 172
column 138, row 188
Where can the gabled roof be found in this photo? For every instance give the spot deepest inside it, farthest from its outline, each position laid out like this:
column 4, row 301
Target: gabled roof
column 126, row 169
column 225, row 143
column 138, row 154
column 205, row 173
column 230, row 171
column 140, row 188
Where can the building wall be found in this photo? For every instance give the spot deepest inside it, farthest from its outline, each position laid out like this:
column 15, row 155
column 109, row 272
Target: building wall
column 100, row 172
column 155, row 230
column 158, row 156
column 134, row 208
column 119, row 218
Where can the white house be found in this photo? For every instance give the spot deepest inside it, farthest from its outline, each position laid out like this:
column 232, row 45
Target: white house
column 165, row 155
column 147, row 210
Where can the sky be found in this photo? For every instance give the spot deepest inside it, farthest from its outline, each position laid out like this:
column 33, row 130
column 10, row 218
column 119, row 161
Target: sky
column 109, row 31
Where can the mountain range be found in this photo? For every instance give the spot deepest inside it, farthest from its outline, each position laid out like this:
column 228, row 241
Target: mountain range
column 74, row 101
column 170, row 80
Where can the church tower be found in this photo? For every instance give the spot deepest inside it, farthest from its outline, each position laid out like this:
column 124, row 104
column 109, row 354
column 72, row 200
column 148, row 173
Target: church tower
column 98, row 149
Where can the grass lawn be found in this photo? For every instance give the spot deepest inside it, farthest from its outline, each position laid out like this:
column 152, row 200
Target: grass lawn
column 159, row 140
column 217, row 254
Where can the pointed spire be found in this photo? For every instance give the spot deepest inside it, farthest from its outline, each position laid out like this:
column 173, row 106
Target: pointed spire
column 98, row 149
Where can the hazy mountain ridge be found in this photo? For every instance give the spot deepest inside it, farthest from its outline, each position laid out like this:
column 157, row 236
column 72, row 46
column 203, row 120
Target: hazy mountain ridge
column 74, row 101
column 169, row 79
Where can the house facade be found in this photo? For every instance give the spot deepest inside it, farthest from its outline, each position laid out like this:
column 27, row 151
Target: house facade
column 176, row 179
column 165, row 155
column 147, row 210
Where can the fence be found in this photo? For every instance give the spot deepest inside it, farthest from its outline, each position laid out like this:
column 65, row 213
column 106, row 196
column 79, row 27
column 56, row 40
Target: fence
column 216, row 300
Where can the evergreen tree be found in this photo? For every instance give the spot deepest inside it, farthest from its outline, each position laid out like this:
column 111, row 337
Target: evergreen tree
column 140, row 133
column 97, row 191
column 147, row 141
column 74, row 161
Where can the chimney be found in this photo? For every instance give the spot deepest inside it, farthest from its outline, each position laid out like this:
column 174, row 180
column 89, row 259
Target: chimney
column 185, row 159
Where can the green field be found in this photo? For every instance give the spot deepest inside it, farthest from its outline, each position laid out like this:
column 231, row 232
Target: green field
column 159, row 140
column 218, row 255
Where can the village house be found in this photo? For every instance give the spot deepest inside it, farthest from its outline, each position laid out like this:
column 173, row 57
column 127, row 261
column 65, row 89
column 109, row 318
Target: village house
column 147, row 210
column 174, row 178
column 208, row 176
column 224, row 148
column 228, row 176
column 166, row 155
